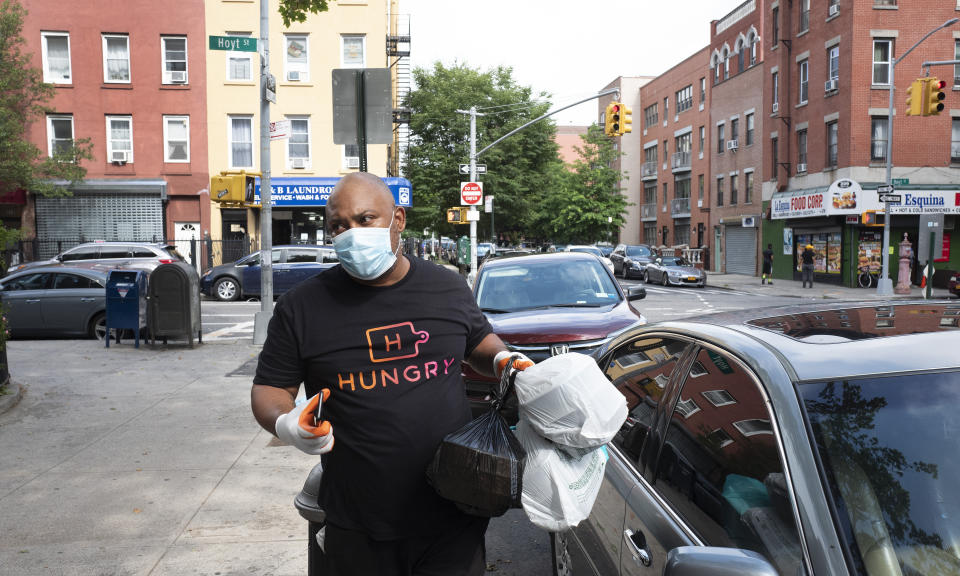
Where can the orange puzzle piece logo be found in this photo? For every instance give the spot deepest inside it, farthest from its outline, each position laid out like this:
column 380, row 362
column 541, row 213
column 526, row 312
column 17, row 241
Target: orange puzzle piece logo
column 395, row 342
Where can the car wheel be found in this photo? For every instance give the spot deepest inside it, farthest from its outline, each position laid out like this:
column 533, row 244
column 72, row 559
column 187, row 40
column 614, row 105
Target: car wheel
column 561, row 555
column 643, row 277
column 663, row 280
column 226, row 289
column 98, row 326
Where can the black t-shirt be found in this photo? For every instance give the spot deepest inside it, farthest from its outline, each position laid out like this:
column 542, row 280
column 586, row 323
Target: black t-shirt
column 807, row 256
column 391, row 358
column 768, row 256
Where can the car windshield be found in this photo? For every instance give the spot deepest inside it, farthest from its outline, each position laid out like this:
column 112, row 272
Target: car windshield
column 673, row 261
column 889, row 447
column 588, row 249
column 638, row 252
column 524, row 284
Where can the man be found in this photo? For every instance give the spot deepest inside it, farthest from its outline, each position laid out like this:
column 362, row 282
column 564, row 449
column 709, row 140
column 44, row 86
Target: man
column 767, row 265
column 806, row 265
column 380, row 338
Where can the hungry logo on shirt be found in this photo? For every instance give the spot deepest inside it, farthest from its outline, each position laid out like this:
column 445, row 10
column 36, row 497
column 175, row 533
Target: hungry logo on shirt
column 395, row 342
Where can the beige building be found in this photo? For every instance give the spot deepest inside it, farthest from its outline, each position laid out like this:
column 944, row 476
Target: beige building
column 352, row 34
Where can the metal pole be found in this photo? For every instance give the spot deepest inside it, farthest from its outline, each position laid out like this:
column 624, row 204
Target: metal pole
column 473, row 178
column 885, row 285
column 262, row 318
column 929, row 266
column 361, row 120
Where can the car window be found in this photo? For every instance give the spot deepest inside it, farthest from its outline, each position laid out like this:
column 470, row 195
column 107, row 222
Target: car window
column 63, row 281
column 638, row 251
column 640, row 370
column 301, row 255
column 275, row 255
column 720, row 465
column 889, row 447
column 141, row 252
column 524, row 285
column 36, row 281
column 81, row 253
column 329, row 256
column 588, row 250
column 114, row 251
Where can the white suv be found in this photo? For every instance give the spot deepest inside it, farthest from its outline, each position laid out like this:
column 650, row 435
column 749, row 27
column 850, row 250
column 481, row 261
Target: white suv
column 146, row 255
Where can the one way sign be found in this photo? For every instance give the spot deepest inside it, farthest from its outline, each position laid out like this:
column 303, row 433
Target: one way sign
column 465, row 169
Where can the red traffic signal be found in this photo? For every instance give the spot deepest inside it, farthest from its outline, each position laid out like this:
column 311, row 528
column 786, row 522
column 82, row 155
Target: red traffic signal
column 933, row 102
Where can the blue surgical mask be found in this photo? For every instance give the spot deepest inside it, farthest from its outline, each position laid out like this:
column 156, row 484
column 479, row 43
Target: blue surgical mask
column 365, row 253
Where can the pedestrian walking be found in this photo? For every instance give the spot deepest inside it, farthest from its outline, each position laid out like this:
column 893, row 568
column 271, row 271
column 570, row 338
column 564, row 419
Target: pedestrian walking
column 377, row 343
column 806, row 265
column 767, row 277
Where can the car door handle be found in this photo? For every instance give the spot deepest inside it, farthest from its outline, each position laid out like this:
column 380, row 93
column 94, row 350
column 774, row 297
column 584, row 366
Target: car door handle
column 87, row 299
column 637, row 545
column 33, row 301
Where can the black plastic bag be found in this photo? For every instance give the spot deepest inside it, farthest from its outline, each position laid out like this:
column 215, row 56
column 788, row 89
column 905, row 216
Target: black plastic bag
column 480, row 466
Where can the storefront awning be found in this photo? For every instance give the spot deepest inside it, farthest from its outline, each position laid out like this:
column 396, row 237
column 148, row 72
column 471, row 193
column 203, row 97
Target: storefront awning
column 290, row 192
column 842, row 197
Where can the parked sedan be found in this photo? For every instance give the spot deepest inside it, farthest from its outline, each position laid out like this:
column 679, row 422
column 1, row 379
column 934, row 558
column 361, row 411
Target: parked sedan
column 55, row 301
column 674, row 271
column 630, row 259
column 291, row 265
column 143, row 255
column 595, row 250
column 547, row 304
column 815, row 439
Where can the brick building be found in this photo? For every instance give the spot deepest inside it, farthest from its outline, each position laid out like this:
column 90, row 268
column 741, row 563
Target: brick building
column 568, row 140
column 131, row 77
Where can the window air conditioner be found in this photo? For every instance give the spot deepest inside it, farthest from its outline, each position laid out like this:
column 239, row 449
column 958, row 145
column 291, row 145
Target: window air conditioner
column 833, row 10
column 119, row 156
column 353, row 162
column 298, row 162
column 801, row 168
column 293, row 75
column 732, row 145
column 178, row 77
column 749, row 222
column 831, row 84
column 776, row 107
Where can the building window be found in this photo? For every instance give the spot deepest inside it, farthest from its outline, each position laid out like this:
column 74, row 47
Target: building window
column 832, row 143
column 56, row 57
column 684, row 99
column 719, row 397
column 804, row 16
column 174, row 50
column 753, row 426
column 720, row 139
column 650, row 155
column 882, row 54
column 703, row 90
column 748, row 188
column 804, row 75
column 753, row 52
column 833, row 65
column 774, row 156
column 298, row 146
column 116, row 58
column 60, row 134
column 120, row 138
column 650, row 117
column 775, row 91
column 664, row 193
column 719, row 190
column 176, row 138
column 734, row 193
column 239, row 64
column 726, row 67
column 735, row 130
column 353, row 51
column 687, row 408
column 650, row 234
column 750, row 127
column 956, row 56
column 703, row 137
column 878, row 139
column 801, row 151
column 296, row 61
column 666, row 110
column 716, row 74
column 740, row 67
column 700, row 187
column 775, row 18
column 241, row 141
column 681, row 233
column 955, row 141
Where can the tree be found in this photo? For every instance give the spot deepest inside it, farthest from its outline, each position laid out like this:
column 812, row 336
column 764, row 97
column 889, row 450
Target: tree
column 298, row 10
column 585, row 205
column 23, row 98
column 519, row 169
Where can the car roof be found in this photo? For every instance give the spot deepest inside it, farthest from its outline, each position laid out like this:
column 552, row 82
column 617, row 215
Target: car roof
column 539, row 257
column 841, row 339
column 82, row 270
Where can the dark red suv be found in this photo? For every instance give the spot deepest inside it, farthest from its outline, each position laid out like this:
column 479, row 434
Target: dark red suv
column 548, row 304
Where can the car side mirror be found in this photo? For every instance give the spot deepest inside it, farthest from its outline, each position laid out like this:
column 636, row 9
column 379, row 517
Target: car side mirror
column 636, row 293
column 697, row 560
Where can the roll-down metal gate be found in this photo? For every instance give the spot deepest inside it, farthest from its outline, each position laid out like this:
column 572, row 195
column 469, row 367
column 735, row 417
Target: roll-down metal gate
column 741, row 253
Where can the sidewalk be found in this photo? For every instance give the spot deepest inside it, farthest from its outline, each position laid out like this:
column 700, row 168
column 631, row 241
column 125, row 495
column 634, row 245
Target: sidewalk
column 795, row 288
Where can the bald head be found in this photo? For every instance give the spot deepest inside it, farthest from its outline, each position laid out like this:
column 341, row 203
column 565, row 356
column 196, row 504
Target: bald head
column 362, row 183
column 362, row 199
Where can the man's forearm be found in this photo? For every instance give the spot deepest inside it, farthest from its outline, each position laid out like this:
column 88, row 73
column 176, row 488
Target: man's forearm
column 269, row 403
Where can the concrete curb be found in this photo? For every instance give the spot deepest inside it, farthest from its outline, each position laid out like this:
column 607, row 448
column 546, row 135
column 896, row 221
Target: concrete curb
column 10, row 397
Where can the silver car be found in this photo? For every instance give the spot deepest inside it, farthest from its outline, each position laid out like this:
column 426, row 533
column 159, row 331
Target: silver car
column 142, row 255
column 816, row 439
column 674, row 271
column 55, row 301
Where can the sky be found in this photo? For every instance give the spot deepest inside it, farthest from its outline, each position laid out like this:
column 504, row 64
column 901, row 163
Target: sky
column 568, row 48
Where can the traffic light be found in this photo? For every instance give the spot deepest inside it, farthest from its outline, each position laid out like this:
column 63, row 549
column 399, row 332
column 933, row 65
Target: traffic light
column 249, row 187
column 457, row 215
column 933, row 100
column 612, row 119
column 871, row 218
column 626, row 120
column 915, row 98
column 233, row 188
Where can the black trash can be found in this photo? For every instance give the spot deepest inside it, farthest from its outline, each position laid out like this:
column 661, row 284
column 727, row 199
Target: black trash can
column 309, row 508
column 126, row 303
column 173, row 303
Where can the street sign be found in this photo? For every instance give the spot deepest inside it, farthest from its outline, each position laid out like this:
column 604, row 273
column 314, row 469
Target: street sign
column 895, row 198
column 900, row 181
column 280, row 130
column 884, row 189
column 377, row 107
column 471, row 193
column 233, row 43
column 465, row 169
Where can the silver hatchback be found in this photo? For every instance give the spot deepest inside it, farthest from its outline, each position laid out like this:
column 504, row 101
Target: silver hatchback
column 817, row 439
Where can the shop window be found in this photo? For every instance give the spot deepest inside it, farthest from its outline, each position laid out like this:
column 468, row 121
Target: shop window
column 827, row 251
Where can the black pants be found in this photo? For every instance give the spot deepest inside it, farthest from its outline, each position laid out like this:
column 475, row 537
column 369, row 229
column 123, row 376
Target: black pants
column 807, row 272
column 457, row 550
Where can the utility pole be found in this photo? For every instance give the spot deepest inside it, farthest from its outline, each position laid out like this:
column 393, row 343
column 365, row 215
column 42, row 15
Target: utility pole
column 262, row 318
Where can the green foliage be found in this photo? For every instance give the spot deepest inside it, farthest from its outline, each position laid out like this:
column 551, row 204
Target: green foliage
column 298, row 10
column 519, row 169
column 23, row 97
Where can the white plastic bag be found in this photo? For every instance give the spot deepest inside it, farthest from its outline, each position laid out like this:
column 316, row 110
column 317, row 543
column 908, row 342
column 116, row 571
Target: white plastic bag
column 568, row 400
column 558, row 490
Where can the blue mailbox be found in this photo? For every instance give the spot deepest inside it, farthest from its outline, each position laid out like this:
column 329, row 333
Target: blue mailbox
column 126, row 303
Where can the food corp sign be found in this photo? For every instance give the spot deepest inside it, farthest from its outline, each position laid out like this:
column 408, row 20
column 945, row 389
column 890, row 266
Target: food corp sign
column 471, row 193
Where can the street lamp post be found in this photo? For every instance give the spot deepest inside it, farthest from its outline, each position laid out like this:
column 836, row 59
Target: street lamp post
column 885, row 286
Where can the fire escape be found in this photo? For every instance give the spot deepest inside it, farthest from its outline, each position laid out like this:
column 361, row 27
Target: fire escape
column 398, row 55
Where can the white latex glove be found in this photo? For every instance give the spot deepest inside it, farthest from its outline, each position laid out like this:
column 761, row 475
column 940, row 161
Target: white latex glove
column 503, row 357
column 300, row 428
